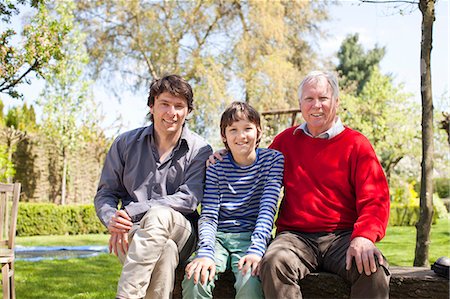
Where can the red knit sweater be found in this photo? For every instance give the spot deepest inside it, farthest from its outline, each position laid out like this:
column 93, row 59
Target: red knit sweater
column 332, row 184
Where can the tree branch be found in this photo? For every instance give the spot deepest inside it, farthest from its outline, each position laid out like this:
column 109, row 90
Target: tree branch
column 15, row 82
column 389, row 1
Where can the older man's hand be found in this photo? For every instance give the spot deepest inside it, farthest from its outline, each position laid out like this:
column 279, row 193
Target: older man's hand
column 364, row 252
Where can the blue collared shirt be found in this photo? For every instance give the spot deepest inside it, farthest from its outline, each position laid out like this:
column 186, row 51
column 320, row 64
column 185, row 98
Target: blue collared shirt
column 335, row 130
column 134, row 176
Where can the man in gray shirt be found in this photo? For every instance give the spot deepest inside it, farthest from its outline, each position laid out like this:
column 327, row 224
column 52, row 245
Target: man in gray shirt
column 150, row 186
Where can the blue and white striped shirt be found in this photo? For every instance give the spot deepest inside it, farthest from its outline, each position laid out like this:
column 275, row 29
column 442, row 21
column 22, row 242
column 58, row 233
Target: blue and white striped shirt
column 241, row 199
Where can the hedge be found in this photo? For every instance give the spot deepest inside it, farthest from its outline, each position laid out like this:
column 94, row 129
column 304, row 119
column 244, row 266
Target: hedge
column 50, row 219
column 408, row 214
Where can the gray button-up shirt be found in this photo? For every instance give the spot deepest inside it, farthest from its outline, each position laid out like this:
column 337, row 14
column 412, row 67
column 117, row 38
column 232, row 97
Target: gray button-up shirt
column 134, row 176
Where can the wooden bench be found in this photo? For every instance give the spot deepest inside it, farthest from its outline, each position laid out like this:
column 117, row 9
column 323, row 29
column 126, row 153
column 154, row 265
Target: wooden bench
column 406, row 282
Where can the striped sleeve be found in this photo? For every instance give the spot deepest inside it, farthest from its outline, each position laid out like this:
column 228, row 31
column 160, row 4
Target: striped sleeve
column 268, row 204
column 209, row 215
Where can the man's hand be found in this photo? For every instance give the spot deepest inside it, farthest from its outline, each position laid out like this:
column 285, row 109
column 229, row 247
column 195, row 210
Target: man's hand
column 200, row 267
column 364, row 252
column 118, row 241
column 120, row 222
column 249, row 262
column 119, row 226
column 218, row 155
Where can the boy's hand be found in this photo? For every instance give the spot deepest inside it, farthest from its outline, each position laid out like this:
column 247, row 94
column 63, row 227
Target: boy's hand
column 218, row 155
column 200, row 267
column 249, row 262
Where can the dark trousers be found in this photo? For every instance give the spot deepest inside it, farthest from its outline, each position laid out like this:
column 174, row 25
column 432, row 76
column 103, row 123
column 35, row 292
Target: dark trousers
column 291, row 256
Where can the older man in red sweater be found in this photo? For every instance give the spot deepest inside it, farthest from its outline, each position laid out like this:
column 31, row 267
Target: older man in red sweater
column 336, row 202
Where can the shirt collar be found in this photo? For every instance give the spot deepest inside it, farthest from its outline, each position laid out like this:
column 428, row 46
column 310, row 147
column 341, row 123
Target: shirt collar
column 335, row 130
column 185, row 135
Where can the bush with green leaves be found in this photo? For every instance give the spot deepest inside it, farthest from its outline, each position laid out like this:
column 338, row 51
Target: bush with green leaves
column 442, row 187
column 50, row 219
column 405, row 206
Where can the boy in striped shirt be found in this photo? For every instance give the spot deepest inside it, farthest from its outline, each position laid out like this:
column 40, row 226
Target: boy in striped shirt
column 238, row 208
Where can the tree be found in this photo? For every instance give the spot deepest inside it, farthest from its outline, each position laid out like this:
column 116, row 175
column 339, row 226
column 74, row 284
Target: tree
column 252, row 50
column 426, row 183
column 444, row 124
column 65, row 95
column 380, row 107
column 423, row 226
column 355, row 64
column 42, row 41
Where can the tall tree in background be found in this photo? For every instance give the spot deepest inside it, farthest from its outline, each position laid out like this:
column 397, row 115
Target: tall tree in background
column 41, row 43
column 355, row 64
column 271, row 52
column 423, row 226
column 375, row 111
column 426, row 184
column 248, row 50
column 65, row 95
column 373, row 105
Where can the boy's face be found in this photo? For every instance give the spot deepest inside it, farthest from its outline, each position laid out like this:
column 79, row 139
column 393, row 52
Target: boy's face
column 241, row 137
column 169, row 113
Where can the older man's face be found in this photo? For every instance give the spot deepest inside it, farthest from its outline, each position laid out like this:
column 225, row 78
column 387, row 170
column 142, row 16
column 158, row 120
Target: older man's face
column 318, row 106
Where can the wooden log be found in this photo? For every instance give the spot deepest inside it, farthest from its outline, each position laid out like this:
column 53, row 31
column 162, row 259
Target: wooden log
column 406, row 282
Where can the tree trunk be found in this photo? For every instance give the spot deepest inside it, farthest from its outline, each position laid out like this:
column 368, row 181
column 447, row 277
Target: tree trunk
column 423, row 226
column 64, row 177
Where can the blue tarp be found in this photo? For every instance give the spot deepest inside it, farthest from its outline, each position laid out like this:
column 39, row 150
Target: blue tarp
column 38, row 253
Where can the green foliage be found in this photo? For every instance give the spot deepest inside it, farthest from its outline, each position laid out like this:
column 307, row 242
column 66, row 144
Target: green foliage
column 42, row 41
column 404, row 214
column 6, row 166
column 49, row 219
column 64, row 240
column 254, row 51
column 442, row 187
column 440, row 210
column 97, row 277
column 407, row 214
column 405, row 206
column 22, row 118
column 379, row 113
column 355, row 64
column 398, row 246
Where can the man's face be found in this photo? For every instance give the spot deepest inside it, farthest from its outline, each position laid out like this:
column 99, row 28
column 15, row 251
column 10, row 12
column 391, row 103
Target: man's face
column 318, row 106
column 169, row 113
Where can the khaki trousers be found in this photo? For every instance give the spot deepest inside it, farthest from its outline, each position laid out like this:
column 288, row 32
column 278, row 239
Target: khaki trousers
column 291, row 256
column 157, row 244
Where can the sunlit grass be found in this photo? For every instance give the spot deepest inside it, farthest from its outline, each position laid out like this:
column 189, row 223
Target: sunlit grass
column 89, row 278
column 97, row 277
column 399, row 243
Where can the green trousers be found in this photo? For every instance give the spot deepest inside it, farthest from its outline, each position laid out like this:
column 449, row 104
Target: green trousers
column 229, row 249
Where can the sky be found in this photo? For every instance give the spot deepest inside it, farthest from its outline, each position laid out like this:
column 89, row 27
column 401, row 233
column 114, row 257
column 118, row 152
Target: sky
column 377, row 24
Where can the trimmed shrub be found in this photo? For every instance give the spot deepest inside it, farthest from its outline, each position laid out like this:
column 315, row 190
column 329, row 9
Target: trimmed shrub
column 50, row 219
column 442, row 187
column 408, row 214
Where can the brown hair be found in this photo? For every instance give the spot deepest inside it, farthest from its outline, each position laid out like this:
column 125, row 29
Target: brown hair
column 173, row 84
column 237, row 111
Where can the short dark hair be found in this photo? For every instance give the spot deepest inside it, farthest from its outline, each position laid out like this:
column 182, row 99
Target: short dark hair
column 237, row 111
column 173, row 84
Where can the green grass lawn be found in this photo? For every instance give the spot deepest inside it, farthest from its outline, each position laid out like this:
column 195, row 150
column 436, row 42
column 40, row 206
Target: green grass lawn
column 97, row 277
column 399, row 244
